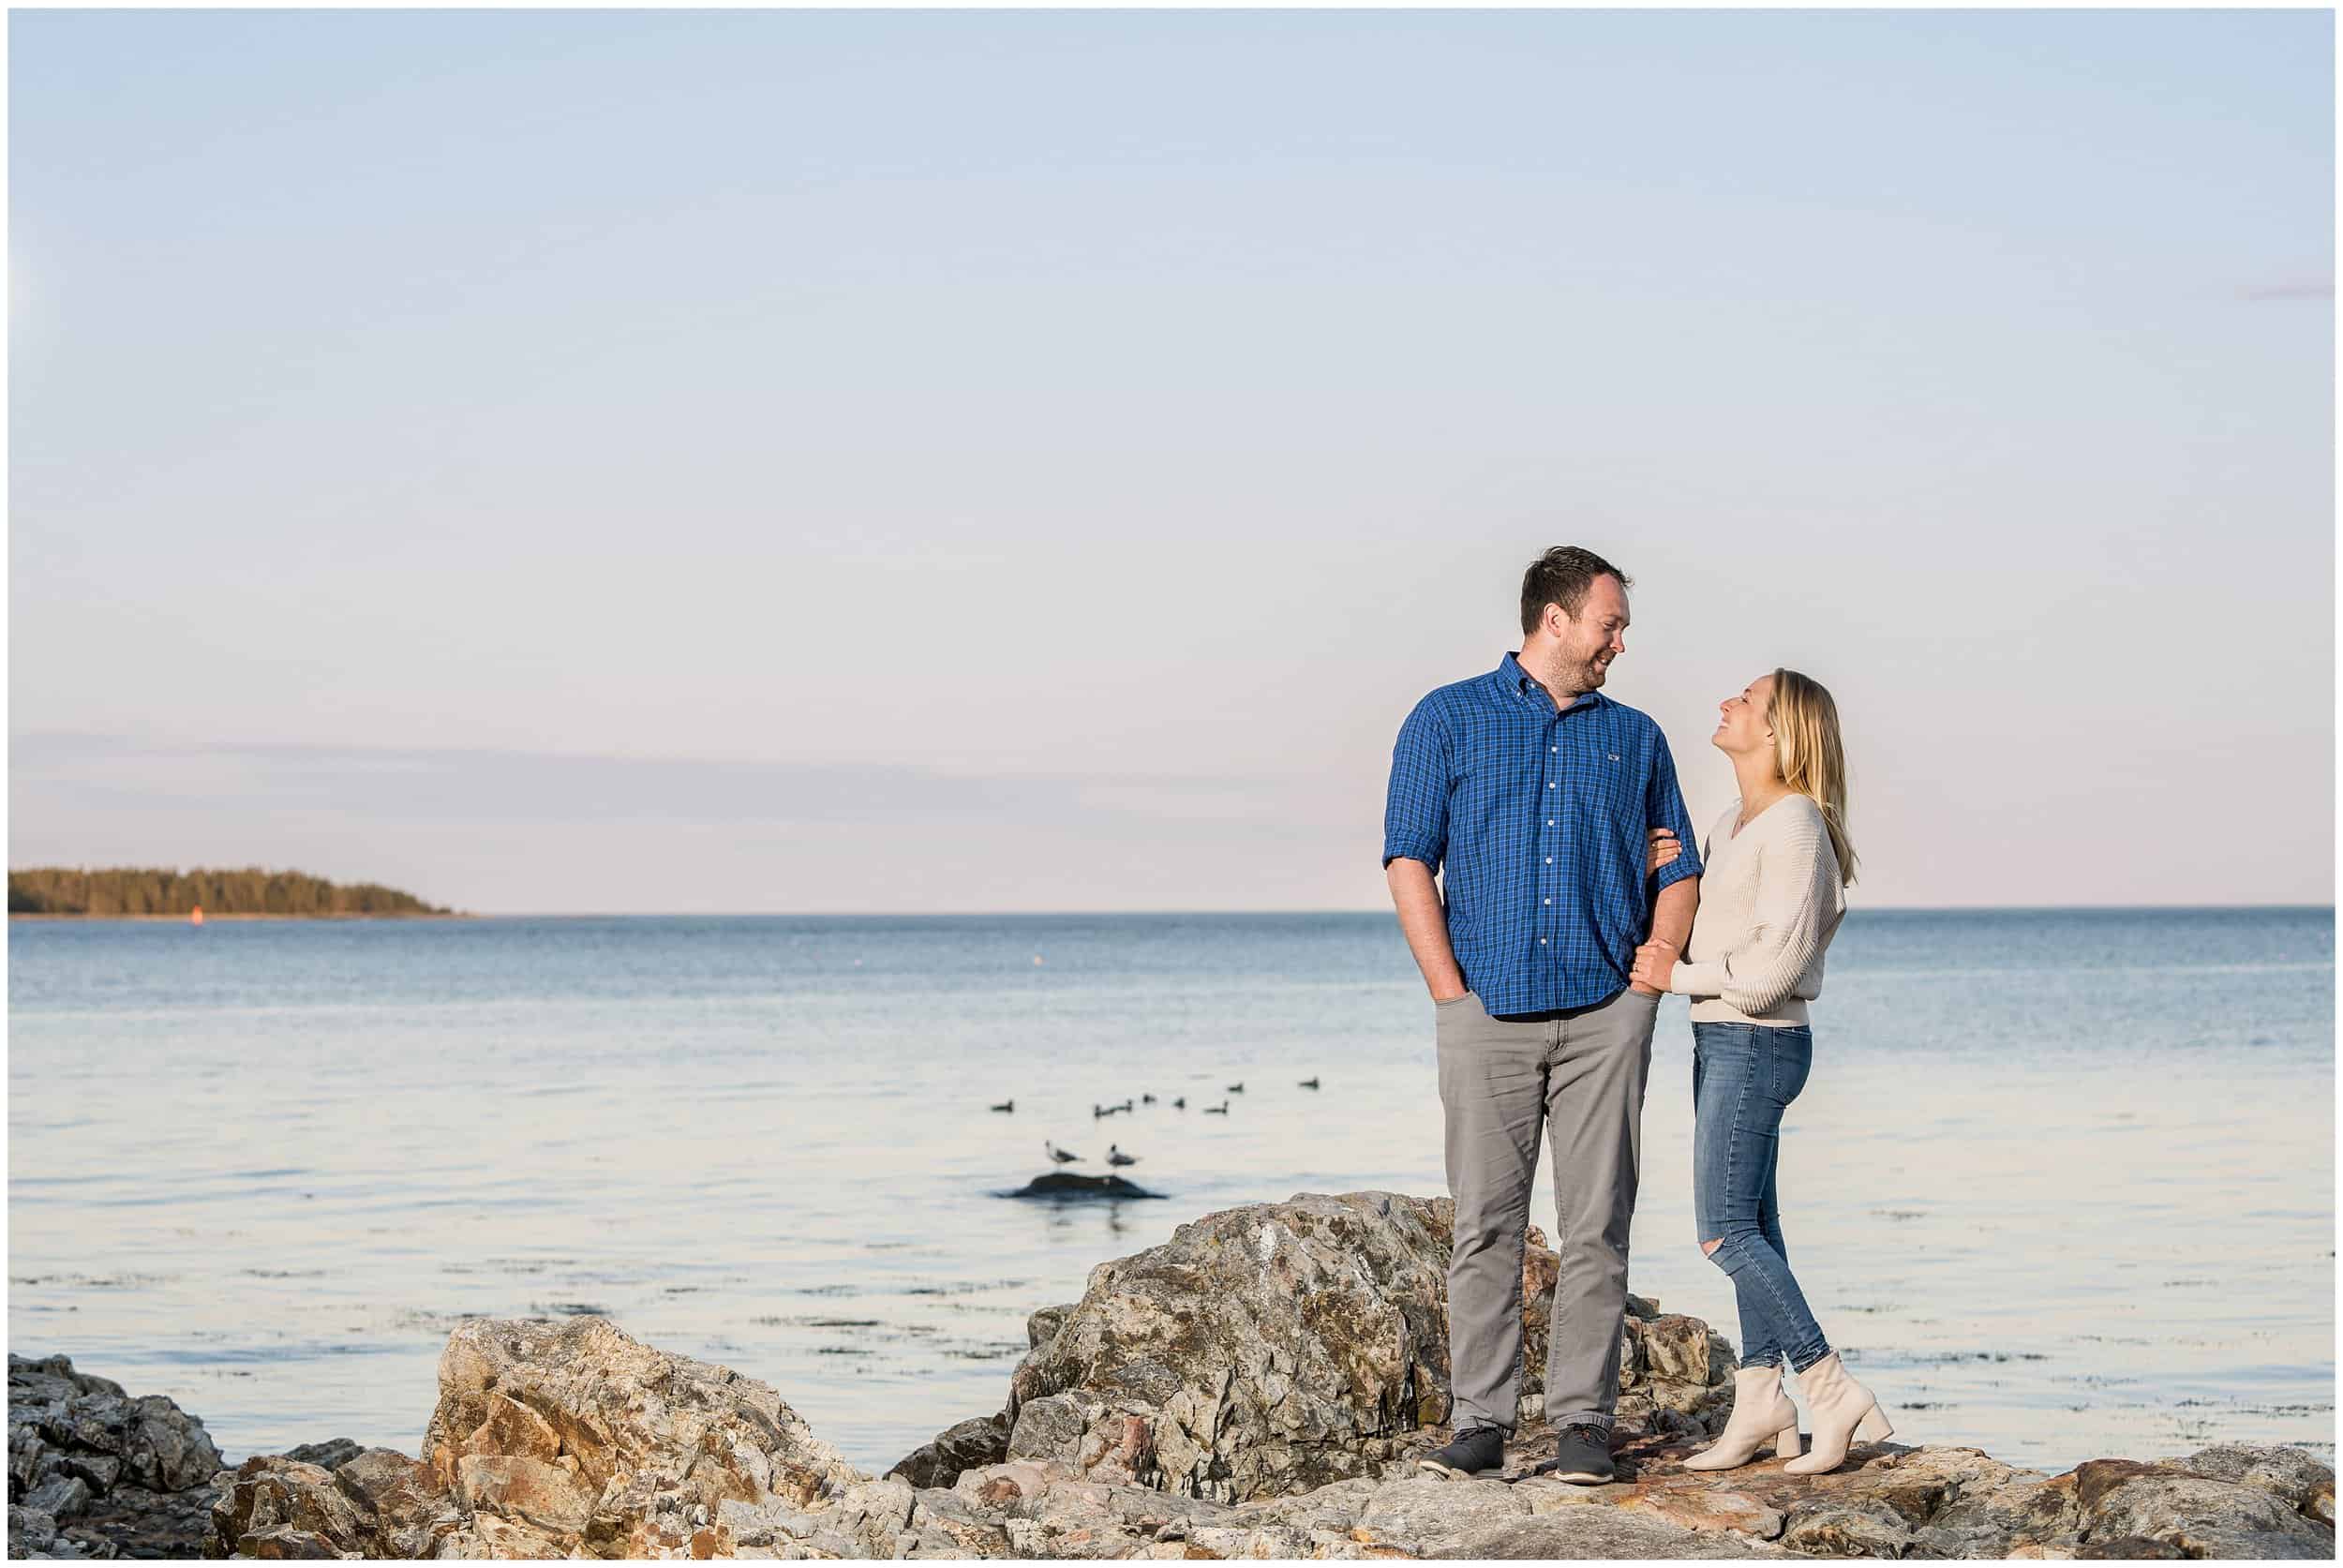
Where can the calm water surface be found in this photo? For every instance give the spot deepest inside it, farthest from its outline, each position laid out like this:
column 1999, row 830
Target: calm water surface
column 2062, row 1184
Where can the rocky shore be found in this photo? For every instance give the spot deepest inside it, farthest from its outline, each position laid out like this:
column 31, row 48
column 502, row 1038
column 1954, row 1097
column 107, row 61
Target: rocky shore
column 1259, row 1386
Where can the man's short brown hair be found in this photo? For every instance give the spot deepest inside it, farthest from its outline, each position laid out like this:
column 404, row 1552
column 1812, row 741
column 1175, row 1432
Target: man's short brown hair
column 1561, row 576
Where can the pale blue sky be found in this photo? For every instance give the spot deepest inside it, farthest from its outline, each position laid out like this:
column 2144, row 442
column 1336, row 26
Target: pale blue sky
column 772, row 461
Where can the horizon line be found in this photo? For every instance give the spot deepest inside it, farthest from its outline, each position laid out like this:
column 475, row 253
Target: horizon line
column 1053, row 914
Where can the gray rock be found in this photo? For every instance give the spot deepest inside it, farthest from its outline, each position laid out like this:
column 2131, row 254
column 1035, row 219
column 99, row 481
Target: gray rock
column 1869, row 1528
column 1049, row 1427
column 2288, row 1474
column 63, row 1423
column 30, row 1531
column 330, row 1454
column 1042, row 1326
column 1272, row 1349
column 2201, row 1517
column 1597, row 1533
column 101, row 1471
column 60, row 1497
column 2128, row 1549
column 964, row 1445
column 1422, row 1508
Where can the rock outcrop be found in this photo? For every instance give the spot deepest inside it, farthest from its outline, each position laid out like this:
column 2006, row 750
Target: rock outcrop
column 1267, row 1349
column 1260, row 1386
column 93, row 1472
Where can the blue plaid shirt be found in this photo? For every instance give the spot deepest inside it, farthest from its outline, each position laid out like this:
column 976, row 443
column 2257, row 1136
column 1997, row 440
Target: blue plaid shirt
column 1540, row 817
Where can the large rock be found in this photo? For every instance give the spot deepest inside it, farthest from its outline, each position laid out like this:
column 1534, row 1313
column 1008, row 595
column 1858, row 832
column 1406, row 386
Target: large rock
column 574, row 1429
column 88, row 1425
column 2201, row 1516
column 1315, row 1328
column 552, row 1439
column 1278, row 1347
column 93, row 1472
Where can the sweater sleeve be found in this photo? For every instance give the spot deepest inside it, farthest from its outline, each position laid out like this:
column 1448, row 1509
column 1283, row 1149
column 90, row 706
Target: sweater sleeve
column 1702, row 980
column 1798, row 878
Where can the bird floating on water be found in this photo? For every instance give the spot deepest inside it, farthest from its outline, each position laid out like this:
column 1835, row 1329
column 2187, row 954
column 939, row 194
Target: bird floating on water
column 1116, row 1157
column 1146, row 1100
column 1236, row 1088
column 1219, row 1110
column 1309, row 1082
column 1125, row 1106
column 1180, row 1104
column 1059, row 1155
column 1097, row 1110
column 1008, row 1105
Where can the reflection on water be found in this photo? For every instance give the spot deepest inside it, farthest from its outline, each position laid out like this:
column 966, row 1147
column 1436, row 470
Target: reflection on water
column 2061, row 1183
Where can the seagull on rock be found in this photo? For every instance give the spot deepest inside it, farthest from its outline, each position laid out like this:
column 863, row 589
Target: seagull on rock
column 1059, row 1155
column 1116, row 1157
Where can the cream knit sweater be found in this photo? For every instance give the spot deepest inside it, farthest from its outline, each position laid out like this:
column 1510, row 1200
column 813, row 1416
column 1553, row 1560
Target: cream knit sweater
column 1769, row 904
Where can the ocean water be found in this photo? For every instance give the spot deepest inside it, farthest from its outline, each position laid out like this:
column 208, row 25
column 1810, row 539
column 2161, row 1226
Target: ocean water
column 2061, row 1185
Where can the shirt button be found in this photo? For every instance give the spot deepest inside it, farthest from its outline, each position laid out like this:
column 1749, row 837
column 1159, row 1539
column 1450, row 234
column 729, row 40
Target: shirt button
column 1541, row 941
column 1549, row 787
column 1549, row 900
column 1549, row 822
column 1553, row 748
column 1549, row 859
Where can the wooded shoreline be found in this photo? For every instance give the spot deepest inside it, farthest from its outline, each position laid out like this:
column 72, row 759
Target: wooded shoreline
column 166, row 893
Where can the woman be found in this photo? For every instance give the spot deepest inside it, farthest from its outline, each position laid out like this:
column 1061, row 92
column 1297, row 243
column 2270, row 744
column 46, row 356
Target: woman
column 1771, row 895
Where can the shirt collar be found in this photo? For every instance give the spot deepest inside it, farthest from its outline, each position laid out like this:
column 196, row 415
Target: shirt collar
column 1515, row 681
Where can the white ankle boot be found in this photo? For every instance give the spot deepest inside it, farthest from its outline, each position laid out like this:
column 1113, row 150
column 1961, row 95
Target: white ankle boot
column 1837, row 1408
column 1760, row 1411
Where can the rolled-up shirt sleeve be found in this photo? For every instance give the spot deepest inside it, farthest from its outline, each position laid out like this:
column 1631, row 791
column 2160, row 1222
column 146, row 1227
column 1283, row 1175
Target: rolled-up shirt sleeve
column 1663, row 807
column 1415, row 811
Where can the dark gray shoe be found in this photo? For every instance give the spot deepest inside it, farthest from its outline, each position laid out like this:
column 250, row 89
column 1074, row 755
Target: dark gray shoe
column 1480, row 1450
column 1583, row 1455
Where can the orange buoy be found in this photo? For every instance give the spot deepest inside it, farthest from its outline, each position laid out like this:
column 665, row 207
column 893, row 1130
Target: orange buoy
column 196, row 918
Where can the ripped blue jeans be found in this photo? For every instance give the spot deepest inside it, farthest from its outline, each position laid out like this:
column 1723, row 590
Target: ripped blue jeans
column 1744, row 1076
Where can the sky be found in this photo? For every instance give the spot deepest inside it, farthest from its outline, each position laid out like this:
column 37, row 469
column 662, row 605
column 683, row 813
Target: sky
column 949, row 462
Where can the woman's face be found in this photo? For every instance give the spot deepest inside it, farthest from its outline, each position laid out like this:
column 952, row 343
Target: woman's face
column 1743, row 727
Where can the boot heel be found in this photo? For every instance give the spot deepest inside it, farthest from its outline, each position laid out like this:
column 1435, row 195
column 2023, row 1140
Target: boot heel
column 1874, row 1427
column 1785, row 1443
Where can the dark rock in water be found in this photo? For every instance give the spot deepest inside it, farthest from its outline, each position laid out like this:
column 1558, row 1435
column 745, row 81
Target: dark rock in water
column 1065, row 1183
column 964, row 1445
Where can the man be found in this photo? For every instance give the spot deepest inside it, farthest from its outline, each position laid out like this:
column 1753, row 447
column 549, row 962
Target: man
column 1534, row 791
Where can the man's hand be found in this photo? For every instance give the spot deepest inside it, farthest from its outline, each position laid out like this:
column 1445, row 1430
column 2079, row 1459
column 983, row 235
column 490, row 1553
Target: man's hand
column 1426, row 925
column 1653, row 962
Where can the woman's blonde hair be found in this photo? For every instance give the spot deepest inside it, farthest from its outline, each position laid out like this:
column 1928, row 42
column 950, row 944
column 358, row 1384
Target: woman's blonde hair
column 1807, row 749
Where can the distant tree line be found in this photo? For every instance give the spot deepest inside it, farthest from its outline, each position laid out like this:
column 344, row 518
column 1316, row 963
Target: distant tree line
column 53, row 891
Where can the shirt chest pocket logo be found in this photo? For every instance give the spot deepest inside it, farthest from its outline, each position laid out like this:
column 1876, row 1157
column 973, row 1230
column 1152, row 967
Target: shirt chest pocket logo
column 1612, row 784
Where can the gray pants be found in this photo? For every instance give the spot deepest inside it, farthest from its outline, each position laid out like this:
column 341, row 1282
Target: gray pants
column 1582, row 1074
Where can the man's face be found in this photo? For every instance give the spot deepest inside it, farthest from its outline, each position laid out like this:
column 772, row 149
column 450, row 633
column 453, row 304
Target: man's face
column 1595, row 637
